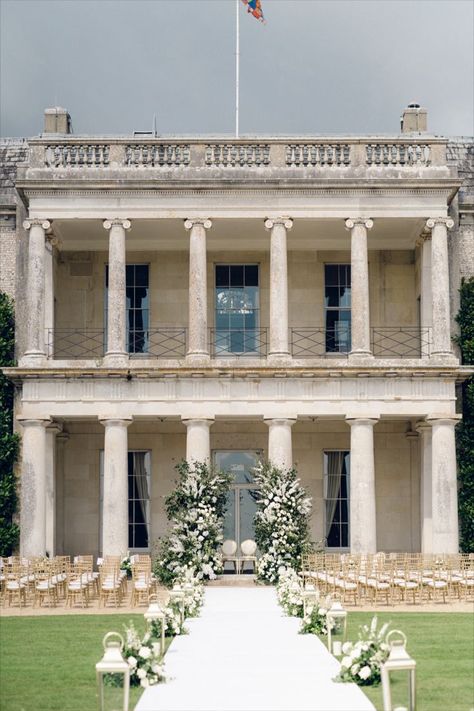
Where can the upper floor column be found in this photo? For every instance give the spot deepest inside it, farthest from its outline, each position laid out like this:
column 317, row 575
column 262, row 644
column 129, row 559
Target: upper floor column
column 197, row 323
column 441, row 339
column 279, row 345
column 116, row 295
column 360, row 307
column 35, row 345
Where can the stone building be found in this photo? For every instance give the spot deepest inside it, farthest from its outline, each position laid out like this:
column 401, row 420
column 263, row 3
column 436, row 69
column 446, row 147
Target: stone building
column 224, row 300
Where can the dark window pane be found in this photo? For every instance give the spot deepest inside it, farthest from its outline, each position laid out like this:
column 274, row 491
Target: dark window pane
column 236, row 275
column 251, row 275
column 332, row 296
column 331, row 274
column 222, row 275
column 130, row 274
column 141, row 536
column 345, row 536
column 141, row 275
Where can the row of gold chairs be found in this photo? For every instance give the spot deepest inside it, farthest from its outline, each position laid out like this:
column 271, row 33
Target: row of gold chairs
column 392, row 578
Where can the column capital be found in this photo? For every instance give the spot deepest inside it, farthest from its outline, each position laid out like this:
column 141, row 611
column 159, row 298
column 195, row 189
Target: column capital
column 207, row 421
column 108, row 224
column 34, row 421
column 363, row 221
column 54, row 428
column 192, row 221
column 31, row 222
column 288, row 421
column 423, row 427
column 439, row 419
column 362, row 420
column 434, row 221
column 270, row 222
column 108, row 420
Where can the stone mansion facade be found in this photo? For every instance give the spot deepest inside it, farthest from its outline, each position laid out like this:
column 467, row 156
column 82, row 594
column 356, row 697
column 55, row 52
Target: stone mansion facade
column 226, row 300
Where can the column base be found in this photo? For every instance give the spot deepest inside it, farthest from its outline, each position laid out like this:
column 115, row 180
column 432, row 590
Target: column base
column 198, row 359
column 116, row 359
column 444, row 358
column 33, row 358
column 280, row 357
column 360, row 357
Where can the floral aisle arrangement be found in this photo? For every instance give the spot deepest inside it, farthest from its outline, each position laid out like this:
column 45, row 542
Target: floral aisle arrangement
column 196, row 510
column 316, row 620
column 362, row 660
column 290, row 592
column 143, row 657
column 281, row 521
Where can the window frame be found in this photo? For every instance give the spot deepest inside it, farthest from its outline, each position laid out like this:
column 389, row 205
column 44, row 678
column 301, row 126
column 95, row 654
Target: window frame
column 347, row 499
column 256, row 311
column 336, row 309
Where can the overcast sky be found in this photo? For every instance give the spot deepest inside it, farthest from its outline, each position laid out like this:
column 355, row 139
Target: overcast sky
column 316, row 66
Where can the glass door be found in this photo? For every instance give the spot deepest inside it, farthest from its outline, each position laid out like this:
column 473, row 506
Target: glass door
column 241, row 501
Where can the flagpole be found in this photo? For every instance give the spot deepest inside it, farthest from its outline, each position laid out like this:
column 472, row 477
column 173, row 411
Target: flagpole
column 237, row 65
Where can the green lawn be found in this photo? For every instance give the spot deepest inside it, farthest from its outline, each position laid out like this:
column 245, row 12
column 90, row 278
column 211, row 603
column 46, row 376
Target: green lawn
column 47, row 663
column 442, row 645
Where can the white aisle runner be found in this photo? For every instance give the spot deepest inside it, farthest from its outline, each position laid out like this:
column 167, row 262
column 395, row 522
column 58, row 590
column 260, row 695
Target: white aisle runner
column 243, row 654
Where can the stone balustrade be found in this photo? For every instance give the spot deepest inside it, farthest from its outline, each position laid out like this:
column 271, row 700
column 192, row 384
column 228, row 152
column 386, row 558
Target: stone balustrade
column 271, row 153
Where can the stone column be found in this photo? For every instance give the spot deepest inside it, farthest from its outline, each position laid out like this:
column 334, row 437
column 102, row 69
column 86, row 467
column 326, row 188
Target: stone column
column 35, row 294
column 33, row 488
column 198, row 439
column 280, row 448
column 363, row 522
column 61, row 440
column 198, row 350
column 426, row 514
column 278, row 346
column 360, row 307
column 52, row 430
column 445, row 532
column 426, row 302
column 115, row 487
column 116, row 296
column 49, row 297
column 441, row 332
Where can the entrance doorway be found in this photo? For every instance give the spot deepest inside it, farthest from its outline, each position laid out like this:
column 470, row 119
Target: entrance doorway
column 241, row 499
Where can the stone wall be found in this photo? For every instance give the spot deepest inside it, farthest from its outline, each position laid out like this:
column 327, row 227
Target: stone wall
column 13, row 152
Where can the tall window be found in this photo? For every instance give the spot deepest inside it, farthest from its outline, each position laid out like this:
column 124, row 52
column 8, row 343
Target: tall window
column 336, row 497
column 337, row 303
column 139, row 475
column 137, row 305
column 237, row 308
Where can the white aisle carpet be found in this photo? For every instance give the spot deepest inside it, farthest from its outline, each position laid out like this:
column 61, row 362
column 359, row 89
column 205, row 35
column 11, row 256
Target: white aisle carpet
column 244, row 654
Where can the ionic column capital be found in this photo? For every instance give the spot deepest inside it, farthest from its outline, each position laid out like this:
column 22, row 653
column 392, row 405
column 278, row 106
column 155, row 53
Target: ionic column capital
column 32, row 222
column 441, row 419
column 109, row 421
column 108, row 224
column 281, row 421
column 271, row 222
column 434, row 221
column 34, row 421
column 362, row 221
column 192, row 221
column 371, row 420
column 190, row 421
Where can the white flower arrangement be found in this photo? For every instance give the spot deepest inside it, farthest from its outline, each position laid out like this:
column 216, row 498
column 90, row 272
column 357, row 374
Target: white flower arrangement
column 143, row 657
column 362, row 660
column 290, row 591
column 281, row 521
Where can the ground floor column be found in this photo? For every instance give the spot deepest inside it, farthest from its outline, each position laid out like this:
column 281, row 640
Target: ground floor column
column 445, row 531
column 115, row 487
column 363, row 525
column 50, row 473
column 198, row 439
column 33, row 488
column 280, row 447
column 426, row 513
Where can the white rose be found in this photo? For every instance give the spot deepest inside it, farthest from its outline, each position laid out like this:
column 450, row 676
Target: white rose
column 145, row 652
column 347, row 647
column 132, row 662
column 141, row 673
column 157, row 669
column 346, row 662
column 144, row 683
column 354, row 669
column 364, row 672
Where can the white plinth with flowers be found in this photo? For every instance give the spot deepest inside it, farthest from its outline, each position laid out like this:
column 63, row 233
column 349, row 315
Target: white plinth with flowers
column 244, row 653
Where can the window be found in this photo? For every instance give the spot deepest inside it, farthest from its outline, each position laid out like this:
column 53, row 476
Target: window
column 139, row 474
column 336, row 498
column 337, row 304
column 237, row 308
column 137, row 305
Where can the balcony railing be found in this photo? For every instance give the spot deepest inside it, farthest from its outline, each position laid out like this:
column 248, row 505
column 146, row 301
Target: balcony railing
column 401, row 342
column 158, row 153
column 238, row 343
column 76, row 344
column 159, row 343
column 318, row 341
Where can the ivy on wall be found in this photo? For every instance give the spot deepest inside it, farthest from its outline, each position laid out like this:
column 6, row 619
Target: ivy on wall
column 9, row 442
column 465, row 431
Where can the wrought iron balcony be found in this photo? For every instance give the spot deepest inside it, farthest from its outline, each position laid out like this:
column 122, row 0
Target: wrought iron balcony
column 318, row 341
column 238, row 343
column 86, row 344
column 400, row 342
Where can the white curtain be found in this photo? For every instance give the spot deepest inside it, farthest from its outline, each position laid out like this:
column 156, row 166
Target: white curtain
column 140, row 476
column 335, row 463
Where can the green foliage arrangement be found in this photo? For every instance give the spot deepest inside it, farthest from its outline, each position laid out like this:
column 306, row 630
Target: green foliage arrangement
column 281, row 521
column 465, row 431
column 196, row 510
column 9, row 442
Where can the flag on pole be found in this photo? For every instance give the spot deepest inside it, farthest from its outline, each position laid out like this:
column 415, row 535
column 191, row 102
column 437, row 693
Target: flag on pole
column 255, row 9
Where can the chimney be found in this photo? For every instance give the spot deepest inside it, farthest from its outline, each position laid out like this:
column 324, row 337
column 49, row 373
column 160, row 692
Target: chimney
column 57, row 120
column 414, row 119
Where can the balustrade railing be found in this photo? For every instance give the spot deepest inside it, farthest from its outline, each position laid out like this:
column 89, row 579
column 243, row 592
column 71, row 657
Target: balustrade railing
column 400, row 342
column 320, row 153
column 238, row 343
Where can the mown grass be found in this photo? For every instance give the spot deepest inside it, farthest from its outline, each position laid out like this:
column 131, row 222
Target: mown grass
column 442, row 645
column 47, row 663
